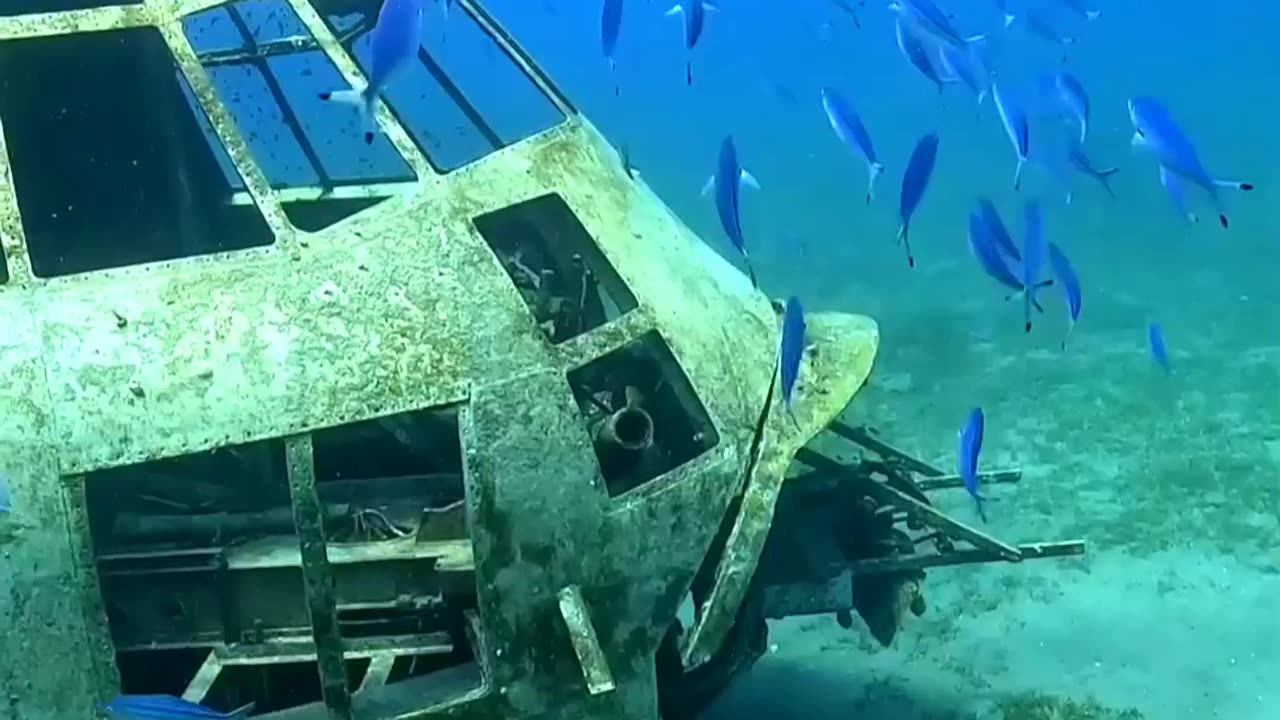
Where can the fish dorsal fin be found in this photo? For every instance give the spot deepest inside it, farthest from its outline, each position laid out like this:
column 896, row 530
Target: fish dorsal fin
column 676, row 9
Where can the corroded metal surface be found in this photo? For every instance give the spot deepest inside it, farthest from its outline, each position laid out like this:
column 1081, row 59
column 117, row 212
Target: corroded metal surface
column 403, row 306
column 843, row 351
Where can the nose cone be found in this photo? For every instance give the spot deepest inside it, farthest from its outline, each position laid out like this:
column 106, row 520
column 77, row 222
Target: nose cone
column 839, row 360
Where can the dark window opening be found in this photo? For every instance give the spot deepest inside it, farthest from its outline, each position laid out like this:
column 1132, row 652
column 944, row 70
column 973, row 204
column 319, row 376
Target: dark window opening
column 463, row 99
column 28, row 7
column 109, row 160
column 269, row 72
column 175, row 538
column 642, row 413
column 4, row 268
column 400, row 476
column 564, row 278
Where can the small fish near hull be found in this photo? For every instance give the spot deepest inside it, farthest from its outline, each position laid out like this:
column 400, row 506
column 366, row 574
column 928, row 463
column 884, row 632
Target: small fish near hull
column 394, row 40
column 791, row 351
column 967, row 457
column 728, row 187
column 849, row 128
column 914, row 182
column 1154, row 129
column 694, row 14
column 167, row 707
column 610, row 27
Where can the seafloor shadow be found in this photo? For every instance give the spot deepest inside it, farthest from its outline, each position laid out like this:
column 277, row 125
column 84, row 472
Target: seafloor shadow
column 786, row 690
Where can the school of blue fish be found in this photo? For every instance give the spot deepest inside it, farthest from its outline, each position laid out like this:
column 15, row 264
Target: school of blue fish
column 929, row 41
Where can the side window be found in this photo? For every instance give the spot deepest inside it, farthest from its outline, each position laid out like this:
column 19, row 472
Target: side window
column 643, row 415
column 109, row 161
column 556, row 266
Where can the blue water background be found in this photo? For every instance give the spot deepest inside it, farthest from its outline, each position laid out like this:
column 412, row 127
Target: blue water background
column 1172, row 480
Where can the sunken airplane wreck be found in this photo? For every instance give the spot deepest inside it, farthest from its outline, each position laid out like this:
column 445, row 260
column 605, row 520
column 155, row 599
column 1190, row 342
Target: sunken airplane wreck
column 429, row 431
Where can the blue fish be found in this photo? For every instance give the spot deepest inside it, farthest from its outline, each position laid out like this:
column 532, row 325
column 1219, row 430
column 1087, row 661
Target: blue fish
column 914, row 182
column 1155, row 129
column 1080, row 161
column 1016, row 127
column 694, row 13
column 924, row 17
column 791, row 351
column 167, row 707
column 6, row 495
column 728, row 187
column 1069, row 92
column 999, row 233
column 849, row 9
column 984, row 248
column 395, row 40
column 967, row 457
column 913, row 49
column 849, row 128
column 610, row 26
column 992, row 260
column 964, row 67
column 1081, row 9
column 1155, row 342
column 1039, row 23
column 1033, row 252
column 1066, row 277
column 1003, row 6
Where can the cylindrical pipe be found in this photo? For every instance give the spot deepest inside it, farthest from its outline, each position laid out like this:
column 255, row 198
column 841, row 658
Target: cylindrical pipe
column 630, row 427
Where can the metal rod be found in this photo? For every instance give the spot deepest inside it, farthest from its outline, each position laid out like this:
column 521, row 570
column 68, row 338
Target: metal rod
column 899, row 499
column 317, row 577
column 989, row 477
column 284, row 46
column 866, row 438
column 1035, row 551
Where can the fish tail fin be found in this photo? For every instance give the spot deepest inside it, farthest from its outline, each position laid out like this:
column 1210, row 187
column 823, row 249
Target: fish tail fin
column 793, row 418
column 873, row 171
column 1233, row 184
column 748, row 179
column 1008, row 19
column 1104, row 177
column 751, row 272
column 1017, row 173
column 982, row 511
column 674, row 10
column 1092, row 14
column 708, row 185
column 906, row 245
column 362, row 100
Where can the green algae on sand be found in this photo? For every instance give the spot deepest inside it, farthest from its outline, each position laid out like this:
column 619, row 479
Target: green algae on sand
column 1038, row 706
